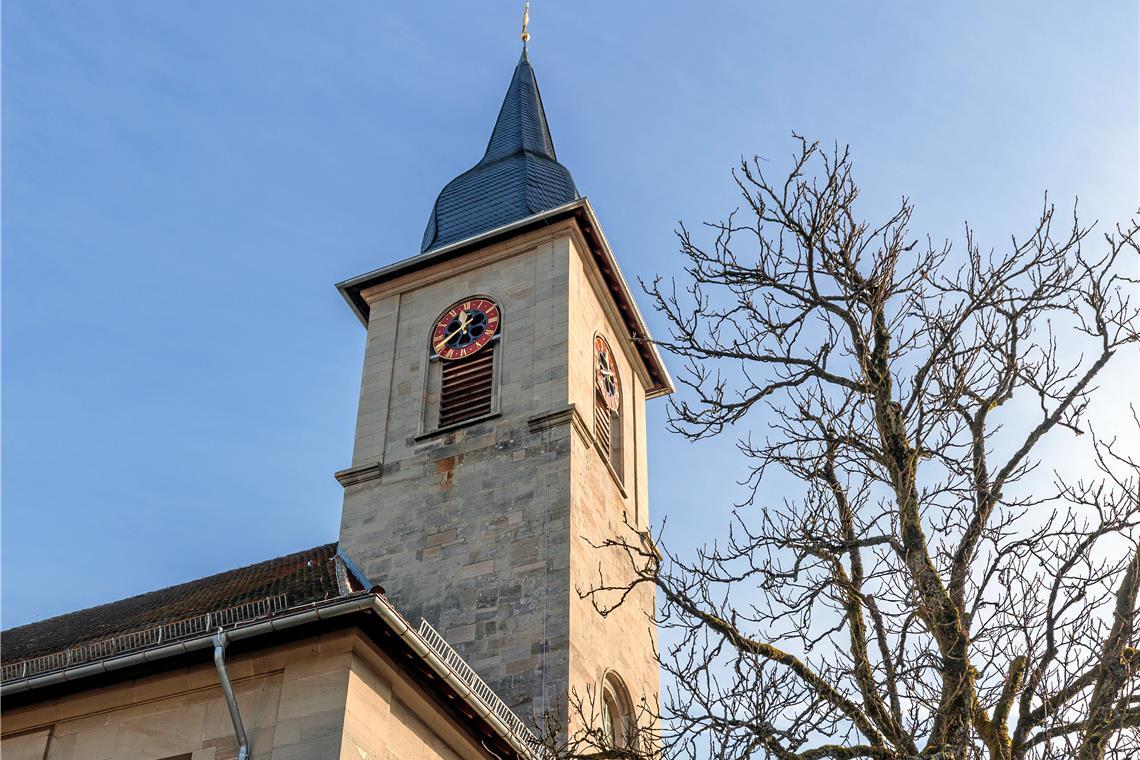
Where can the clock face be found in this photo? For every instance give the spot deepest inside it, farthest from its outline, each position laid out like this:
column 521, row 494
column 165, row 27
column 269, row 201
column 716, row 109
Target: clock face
column 465, row 328
column 606, row 373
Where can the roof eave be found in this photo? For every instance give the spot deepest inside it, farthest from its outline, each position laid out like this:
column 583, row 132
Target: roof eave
column 351, row 288
column 361, row 602
column 627, row 304
column 583, row 212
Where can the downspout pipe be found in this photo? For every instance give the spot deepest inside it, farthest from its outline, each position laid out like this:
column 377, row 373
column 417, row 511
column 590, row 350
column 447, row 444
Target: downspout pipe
column 220, row 642
column 364, row 601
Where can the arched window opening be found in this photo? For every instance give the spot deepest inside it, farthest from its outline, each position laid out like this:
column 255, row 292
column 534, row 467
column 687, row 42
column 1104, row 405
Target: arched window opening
column 619, row 727
column 461, row 376
column 607, row 404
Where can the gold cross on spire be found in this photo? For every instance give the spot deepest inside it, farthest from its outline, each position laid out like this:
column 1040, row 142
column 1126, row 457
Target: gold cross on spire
column 526, row 20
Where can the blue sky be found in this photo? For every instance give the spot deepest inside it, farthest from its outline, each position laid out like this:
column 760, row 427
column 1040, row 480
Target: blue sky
column 183, row 184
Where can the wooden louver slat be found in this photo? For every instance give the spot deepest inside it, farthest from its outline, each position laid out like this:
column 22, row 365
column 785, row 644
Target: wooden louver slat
column 602, row 422
column 465, row 389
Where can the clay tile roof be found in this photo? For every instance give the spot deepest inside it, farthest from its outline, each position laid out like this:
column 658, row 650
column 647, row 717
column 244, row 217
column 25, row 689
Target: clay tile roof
column 518, row 176
column 304, row 577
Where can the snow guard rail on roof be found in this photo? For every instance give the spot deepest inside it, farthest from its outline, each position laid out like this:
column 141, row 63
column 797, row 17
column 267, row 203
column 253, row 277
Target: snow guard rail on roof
column 460, row 667
column 258, row 611
column 144, row 639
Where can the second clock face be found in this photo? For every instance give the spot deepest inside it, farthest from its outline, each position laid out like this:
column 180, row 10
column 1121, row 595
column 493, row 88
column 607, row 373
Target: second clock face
column 465, row 328
column 606, row 373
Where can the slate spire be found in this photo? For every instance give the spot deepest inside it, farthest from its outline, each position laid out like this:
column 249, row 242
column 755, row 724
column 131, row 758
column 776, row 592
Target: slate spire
column 518, row 176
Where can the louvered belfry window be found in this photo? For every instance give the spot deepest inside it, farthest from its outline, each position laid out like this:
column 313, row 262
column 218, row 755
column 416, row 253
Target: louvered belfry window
column 603, row 425
column 607, row 404
column 463, row 342
column 466, row 387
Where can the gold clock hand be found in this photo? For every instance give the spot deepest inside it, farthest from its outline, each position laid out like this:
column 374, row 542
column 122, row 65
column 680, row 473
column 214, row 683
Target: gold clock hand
column 464, row 320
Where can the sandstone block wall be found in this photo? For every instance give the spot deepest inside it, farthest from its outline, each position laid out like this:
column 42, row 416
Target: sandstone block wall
column 602, row 503
column 469, row 528
column 482, row 530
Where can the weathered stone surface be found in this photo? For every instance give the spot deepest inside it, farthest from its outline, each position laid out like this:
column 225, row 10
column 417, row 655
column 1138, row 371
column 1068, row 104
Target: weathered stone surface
column 483, row 529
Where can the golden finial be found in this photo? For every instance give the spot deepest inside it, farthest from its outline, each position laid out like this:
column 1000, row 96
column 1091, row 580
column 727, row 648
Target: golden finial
column 526, row 20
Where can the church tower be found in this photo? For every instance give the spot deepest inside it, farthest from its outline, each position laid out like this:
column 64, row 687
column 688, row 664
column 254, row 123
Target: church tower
column 501, row 428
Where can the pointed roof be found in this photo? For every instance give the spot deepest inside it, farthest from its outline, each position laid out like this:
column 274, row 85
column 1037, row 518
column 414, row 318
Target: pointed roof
column 518, row 176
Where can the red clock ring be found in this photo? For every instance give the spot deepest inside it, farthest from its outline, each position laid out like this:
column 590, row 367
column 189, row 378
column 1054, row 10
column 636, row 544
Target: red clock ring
column 465, row 328
column 606, row 373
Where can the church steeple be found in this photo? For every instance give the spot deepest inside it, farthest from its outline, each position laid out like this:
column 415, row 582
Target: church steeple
column 518, row 176
column 501, row 429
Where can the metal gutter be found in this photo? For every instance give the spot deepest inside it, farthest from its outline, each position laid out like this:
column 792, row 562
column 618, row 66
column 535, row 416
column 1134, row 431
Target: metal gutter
column 283, row 622
column 364, row 601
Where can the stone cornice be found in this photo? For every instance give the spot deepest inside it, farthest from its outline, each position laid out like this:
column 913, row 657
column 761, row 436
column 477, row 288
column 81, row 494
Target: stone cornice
column 361, row 473
column 567, row 415
column 358, row 290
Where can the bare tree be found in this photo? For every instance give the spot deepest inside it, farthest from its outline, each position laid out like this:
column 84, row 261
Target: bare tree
column 926, row 593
